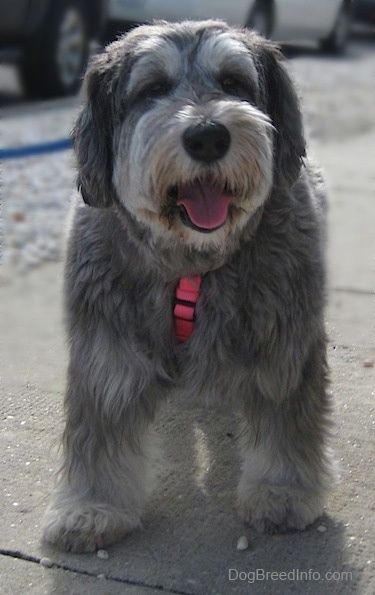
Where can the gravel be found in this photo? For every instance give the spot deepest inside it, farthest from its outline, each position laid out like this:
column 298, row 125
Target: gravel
column 102, row 554
column 36, row 190
column 242, row 543
column 46, row 562
column 337, row 101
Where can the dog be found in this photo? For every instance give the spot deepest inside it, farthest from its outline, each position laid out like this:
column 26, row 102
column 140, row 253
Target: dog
column 195, row 260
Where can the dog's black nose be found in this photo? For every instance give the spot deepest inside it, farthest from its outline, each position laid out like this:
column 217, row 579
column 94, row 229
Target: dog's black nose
column 207, row 141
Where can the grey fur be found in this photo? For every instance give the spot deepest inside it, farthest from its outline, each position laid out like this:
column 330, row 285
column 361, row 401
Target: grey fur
column 259, row 339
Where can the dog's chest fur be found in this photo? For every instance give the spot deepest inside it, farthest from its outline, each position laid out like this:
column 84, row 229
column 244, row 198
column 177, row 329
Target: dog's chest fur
column 247, row 306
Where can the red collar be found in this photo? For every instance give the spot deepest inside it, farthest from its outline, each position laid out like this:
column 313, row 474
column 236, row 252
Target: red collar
column 186, row 297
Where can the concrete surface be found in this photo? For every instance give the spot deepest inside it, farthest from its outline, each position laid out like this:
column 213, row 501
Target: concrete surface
column 188, row 542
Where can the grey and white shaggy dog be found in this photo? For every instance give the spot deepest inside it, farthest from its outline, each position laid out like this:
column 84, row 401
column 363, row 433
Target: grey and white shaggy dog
column 190, row 154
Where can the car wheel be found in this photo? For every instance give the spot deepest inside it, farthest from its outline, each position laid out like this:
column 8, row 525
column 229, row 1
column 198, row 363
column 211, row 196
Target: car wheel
column 337, row 40
column 56, row 57
column 261, row 18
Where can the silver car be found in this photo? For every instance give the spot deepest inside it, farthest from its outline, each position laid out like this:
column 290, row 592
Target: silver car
column 325, row 21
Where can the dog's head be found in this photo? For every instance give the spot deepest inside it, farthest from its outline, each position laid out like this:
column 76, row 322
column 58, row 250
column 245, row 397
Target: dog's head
column 187, row 128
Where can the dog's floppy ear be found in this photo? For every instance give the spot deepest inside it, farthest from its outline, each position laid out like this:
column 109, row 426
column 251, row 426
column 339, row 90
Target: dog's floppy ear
column 282, row 105
column 92, row 137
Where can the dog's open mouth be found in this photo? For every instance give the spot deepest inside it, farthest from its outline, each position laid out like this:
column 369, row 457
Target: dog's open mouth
column 203, row 204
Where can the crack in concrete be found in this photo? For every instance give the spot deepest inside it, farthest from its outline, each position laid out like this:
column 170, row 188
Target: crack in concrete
column 352, row 290
column 18, row 555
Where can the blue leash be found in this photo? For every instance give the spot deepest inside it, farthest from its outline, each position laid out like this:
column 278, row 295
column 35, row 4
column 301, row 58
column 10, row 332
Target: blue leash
column 28, row 151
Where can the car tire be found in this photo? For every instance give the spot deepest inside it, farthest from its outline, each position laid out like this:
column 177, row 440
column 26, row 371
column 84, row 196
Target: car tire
column 336, row 41
column 55, row 58
column 261, row 18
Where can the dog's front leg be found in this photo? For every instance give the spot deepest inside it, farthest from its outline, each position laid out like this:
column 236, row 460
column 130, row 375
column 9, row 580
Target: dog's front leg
column 287, row 466
column 108, row 466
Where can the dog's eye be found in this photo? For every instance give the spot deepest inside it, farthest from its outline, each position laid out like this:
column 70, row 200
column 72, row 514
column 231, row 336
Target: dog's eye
column 234, row 86
column 156, row 90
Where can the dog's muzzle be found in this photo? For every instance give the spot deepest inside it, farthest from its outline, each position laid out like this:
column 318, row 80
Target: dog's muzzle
column 203, row 203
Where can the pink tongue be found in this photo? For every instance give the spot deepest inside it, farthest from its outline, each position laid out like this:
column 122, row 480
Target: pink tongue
column 206, row 204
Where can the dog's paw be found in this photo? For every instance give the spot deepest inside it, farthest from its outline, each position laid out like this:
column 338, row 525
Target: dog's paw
column 278, row 509
column 86, row 527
